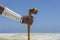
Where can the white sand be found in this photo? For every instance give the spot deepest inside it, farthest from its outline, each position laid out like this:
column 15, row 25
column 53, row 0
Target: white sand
column 34, row 36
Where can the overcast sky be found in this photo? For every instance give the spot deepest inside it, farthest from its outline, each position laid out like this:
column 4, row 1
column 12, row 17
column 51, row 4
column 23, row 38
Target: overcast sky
column 46, row 21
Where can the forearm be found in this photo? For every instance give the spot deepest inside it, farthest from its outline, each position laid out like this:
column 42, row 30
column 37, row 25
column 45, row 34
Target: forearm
column 11, row 14
column 4, row 11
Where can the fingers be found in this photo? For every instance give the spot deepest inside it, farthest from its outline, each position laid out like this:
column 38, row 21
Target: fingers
column 27, row 20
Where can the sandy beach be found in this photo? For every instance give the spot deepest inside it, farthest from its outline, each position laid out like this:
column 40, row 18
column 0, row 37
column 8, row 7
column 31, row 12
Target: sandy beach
column 34, row 36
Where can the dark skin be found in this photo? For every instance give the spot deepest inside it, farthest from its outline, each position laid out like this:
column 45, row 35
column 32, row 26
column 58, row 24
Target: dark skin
column 27, row 20
column 1, row 9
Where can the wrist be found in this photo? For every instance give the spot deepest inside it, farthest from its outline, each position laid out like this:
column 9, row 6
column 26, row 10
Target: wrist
column 21, row 19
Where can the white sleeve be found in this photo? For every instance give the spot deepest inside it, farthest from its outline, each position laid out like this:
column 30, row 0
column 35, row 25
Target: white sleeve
column 11, row 14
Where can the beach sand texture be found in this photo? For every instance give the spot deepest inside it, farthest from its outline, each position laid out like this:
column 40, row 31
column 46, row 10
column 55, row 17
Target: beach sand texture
column 34, row 36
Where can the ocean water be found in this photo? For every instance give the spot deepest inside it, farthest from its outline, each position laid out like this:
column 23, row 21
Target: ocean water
column 34, row 36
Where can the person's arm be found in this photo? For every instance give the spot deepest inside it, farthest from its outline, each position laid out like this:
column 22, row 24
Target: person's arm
column 10, row 14
column 13, row 15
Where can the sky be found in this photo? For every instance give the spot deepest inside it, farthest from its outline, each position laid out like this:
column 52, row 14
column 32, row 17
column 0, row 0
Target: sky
column 46, row 21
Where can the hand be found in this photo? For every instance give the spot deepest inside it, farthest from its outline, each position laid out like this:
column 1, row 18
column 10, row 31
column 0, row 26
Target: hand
column 27, row 20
